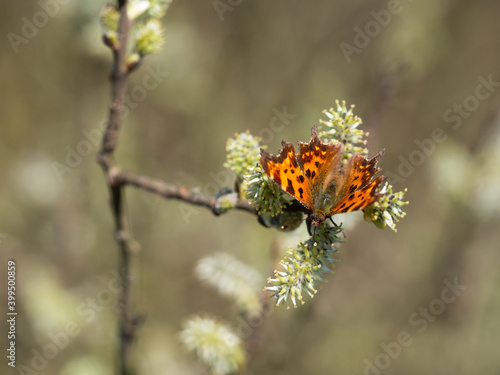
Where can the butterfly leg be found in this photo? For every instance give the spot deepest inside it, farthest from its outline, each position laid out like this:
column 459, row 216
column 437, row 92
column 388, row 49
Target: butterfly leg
column 309, row 223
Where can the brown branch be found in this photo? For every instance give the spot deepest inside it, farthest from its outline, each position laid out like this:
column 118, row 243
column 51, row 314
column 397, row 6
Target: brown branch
column 105, row 158
column 118, row 78
column 125, row 177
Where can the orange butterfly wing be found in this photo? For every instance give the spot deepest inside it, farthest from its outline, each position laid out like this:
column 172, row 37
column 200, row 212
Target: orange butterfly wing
column 358, row 189
column 286, row 173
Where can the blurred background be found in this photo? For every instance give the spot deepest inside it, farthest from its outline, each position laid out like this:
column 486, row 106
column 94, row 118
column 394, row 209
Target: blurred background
column 424, row 76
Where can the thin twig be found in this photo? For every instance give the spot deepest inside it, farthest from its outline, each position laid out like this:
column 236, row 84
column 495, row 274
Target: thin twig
column 106, row 159
column 175, row 192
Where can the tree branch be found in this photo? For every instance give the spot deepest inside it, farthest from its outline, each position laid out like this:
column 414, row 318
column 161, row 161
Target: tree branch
column 125, row 177
column 105, row 158
column 118, row 78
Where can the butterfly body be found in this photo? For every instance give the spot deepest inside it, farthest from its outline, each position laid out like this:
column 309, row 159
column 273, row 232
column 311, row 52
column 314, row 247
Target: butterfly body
column 318, row 178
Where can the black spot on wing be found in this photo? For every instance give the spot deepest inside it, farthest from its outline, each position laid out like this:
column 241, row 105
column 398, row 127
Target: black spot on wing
column 301, row 179
column 301, row 192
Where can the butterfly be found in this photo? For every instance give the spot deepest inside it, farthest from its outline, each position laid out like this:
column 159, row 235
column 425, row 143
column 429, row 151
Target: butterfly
column 318, row 178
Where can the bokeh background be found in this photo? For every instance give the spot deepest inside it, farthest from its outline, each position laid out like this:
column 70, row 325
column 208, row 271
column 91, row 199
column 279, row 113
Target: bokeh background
column 228, row 72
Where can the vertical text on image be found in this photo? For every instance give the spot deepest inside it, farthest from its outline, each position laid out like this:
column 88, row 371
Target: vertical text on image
column 11, row 312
